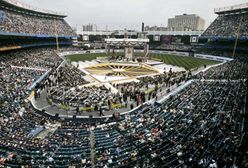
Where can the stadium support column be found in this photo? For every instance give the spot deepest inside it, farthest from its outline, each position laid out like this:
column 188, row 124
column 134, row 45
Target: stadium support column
column 237, row 36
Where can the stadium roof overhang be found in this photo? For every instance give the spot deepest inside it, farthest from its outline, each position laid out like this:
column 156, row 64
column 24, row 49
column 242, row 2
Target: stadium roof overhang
column 236, row 9
column 12, row 34
column 17, row 6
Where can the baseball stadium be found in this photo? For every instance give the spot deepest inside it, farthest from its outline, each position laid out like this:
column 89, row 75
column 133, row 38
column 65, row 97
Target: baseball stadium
column 132, row 100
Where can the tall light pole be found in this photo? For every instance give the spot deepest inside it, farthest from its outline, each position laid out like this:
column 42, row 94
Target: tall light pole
column 237, row 36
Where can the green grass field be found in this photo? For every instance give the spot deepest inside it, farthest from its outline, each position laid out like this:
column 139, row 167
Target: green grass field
column 182, row 61
column 85, row 57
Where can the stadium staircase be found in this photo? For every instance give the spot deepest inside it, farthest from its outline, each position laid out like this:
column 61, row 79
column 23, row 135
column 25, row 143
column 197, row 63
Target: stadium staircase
column 47, row 131
column 93, row 149
column 90, row 79
column 111, row 87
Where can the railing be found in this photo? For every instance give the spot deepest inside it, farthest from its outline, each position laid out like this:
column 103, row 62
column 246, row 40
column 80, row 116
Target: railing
column 39, row 80
column 9, row 48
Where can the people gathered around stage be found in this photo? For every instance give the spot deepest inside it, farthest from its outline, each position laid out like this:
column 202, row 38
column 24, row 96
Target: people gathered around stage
column 67, row 76
column 19, row 71
column 66, row 87
column 203, row 125
column 90, row 98
column 149, row 87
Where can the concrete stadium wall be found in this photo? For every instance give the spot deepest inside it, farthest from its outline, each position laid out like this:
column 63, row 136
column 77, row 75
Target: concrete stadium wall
column 211, row 57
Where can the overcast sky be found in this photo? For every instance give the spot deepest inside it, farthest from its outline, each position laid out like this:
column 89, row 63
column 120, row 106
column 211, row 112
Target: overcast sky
column 120, row 14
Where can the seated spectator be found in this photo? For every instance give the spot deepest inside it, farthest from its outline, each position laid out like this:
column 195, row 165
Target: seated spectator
column 26, row 23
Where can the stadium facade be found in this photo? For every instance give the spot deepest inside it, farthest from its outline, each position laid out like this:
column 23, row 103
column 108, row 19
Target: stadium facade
column 160, row 40
column 200, row 120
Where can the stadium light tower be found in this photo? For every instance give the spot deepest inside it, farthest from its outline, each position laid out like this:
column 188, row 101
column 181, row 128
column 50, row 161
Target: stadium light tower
column 237, row 35
column 56, row 36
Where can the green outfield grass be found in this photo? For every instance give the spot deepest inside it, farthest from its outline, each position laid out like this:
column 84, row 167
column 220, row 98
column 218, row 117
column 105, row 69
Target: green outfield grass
column 85, row 57
column 182, row 61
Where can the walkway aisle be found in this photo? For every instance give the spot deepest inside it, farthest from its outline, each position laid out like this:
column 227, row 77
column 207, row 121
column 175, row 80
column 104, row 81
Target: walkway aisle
column 48, row 130
column 93, row 149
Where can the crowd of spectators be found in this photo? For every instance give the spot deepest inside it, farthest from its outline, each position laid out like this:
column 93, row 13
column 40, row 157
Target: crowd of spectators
column 198, row 127
column 187, row 130
column 63, row 147
column 15, row 81
column 228, row 25
column 66, row 76
column 234, row 70
column 28, row 23
column 19, row 70
column 201, row 126
column 174, row 47
column 34, row 58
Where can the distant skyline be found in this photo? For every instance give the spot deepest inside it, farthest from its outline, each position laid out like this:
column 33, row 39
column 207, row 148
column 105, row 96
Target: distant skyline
column 120, row 14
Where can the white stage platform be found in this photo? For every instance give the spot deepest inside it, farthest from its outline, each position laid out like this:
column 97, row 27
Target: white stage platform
column 157, row 65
